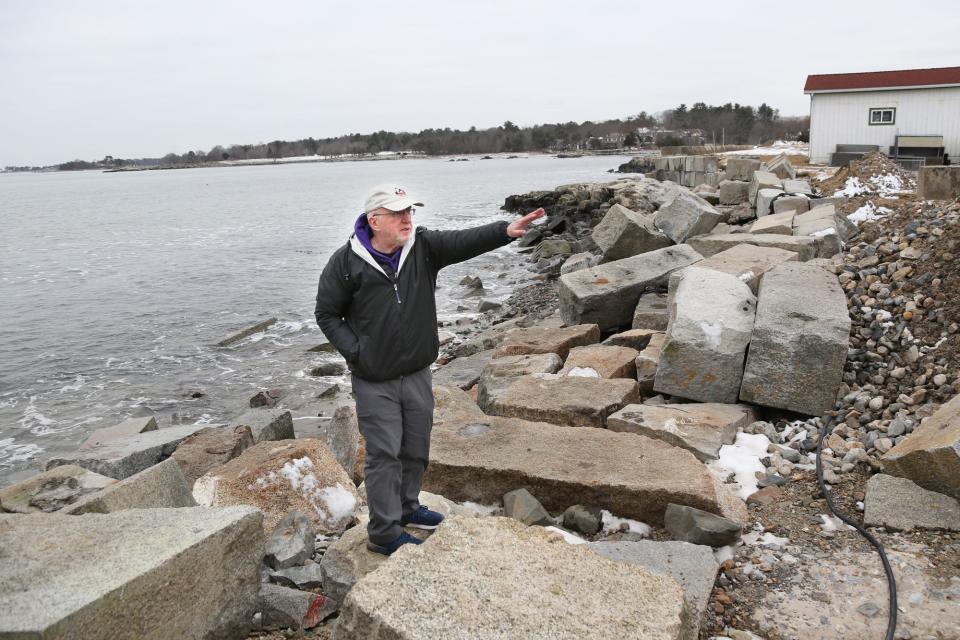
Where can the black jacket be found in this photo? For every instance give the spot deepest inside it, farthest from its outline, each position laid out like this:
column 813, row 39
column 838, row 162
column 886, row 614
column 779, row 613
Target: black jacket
column 385, row 324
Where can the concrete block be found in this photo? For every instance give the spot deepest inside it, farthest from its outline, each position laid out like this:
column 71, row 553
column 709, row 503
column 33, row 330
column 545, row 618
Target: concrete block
column 652, row 312
column 567, row 401
column 800, row 340
column 781, row 167
column 500, row 373
column 142, row 573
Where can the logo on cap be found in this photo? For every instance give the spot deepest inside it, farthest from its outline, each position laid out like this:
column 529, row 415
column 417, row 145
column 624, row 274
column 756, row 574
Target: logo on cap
column 400, row 192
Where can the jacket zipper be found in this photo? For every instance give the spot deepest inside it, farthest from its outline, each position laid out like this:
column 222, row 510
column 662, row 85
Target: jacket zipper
column 396, row 289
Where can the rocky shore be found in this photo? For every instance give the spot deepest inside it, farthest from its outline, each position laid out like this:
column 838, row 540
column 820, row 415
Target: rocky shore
column 624, row 448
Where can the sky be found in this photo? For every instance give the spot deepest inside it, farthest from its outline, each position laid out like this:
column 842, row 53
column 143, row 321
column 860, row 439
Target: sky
column 142, row 79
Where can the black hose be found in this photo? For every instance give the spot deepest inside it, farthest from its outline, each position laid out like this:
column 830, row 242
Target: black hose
column 891, row 581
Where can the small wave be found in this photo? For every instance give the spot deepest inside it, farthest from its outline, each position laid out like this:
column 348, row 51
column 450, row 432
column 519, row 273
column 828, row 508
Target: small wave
column 12, row 402
column 11, row 452
column 78, row 383
column 204, row 418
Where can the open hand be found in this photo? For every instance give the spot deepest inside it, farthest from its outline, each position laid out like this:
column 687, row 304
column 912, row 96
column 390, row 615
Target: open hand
column 518, row 228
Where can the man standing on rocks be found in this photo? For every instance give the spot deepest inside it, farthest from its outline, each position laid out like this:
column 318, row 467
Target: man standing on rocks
column 376, row 305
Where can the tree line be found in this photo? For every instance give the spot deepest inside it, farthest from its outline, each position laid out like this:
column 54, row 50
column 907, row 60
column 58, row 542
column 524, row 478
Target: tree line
column 730, row 123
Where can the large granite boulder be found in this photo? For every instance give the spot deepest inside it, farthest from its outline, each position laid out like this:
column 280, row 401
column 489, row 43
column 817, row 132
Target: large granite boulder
column 160, row 486
column 762, row 180
column 267, row 424
column 742, row 168
column 500, row 373
column 342, row 434
column 684, row 215
column 463, row 372
column 647, row 362
column 734, row 192
column 142, row 573
column 700, row 428
column 800, row 340
column 693, row 566
column 531, row 584
column 540, row 339
column 623, row 233
column 52, row 490
column 119, row 453
column 711, row 322
column 930, row 456
column 283, row 476
column 480, row 458
column 747, row 263
column 569, row 401
column 209, row 448
column 777, row 223
column 805, row 247
column 652, row 311
column 607, row 295
column 601, row 360
column 901, row 505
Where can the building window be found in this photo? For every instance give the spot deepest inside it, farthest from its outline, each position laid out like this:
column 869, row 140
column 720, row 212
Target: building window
column 883, row 116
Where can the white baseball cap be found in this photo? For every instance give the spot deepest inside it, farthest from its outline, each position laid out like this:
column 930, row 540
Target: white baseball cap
column 389, row 196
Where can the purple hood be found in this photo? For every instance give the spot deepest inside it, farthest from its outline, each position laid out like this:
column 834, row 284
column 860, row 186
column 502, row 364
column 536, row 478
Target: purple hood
column 362, row 230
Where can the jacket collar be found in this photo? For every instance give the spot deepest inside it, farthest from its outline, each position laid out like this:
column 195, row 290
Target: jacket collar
column 357, row 247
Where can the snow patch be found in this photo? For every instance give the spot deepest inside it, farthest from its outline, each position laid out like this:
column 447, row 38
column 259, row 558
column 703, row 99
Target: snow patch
column 583, row 372
column 568, row 537
column 612, row 523
column 712, row 332
column 742, row 458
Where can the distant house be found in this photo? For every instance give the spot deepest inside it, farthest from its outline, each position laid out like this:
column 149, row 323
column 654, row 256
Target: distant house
column 913, row 113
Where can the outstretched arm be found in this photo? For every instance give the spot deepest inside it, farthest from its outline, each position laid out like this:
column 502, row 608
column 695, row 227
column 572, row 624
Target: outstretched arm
column 518, row 228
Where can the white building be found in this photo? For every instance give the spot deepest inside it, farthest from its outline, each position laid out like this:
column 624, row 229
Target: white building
column 921, row 106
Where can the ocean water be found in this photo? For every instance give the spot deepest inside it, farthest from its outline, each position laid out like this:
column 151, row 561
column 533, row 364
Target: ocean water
column 114, row 288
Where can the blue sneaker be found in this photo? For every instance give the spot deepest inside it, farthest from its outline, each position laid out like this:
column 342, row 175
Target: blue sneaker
column 422, row 518
column 390, row 547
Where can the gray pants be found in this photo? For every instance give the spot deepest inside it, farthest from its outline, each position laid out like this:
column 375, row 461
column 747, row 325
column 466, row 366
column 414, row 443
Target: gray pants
column 395, row 418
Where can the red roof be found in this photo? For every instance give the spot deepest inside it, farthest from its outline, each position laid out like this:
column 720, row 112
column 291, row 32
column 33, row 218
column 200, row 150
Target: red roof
column 882, row 79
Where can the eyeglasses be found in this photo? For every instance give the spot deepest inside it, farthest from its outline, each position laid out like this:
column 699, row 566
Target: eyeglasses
column 397, row 214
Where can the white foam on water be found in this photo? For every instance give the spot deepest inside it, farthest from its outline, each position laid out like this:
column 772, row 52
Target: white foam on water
column 10, row 452
column 78, row 382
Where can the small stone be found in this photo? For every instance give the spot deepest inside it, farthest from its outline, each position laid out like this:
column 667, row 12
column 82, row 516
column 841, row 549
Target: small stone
column 523, row 506
column 587, row 520
column 291, row 543
column 939, row 380
column 869, row 609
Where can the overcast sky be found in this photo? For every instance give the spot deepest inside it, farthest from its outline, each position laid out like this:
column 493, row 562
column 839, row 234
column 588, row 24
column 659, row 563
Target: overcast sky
column 141, row 79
